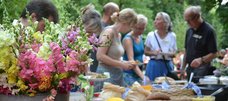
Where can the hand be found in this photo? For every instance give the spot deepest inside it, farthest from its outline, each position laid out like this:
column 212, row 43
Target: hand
column 127, row 65
column 157, row 52
column 196, row 62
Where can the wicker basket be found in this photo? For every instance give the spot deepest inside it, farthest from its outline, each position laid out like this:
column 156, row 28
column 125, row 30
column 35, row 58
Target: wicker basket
column 183, row 92
column 175, row 90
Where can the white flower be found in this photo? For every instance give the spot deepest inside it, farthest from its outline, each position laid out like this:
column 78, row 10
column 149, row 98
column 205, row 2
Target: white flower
column 15, row 22
column 87, row 87
column 224, row 2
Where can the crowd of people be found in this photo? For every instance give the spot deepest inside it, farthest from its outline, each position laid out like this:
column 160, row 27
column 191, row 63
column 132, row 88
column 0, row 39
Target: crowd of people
column 121, row 46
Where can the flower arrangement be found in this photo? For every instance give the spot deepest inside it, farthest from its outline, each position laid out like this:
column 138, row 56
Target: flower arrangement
column 32, row 62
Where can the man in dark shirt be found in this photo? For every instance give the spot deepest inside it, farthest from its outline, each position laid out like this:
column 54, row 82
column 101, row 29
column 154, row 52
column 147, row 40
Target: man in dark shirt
column 200, row 44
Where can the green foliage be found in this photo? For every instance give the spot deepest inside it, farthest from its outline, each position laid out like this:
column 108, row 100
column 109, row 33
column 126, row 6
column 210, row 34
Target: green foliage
column 10, row 10
column 222, row 12
column 180, row 28
column 69, row 10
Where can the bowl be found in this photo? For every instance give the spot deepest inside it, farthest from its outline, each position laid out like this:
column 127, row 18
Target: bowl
column 224, row 80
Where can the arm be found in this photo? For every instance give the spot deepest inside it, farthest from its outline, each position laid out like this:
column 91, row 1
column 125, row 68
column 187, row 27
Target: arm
column 103, row 57
column 127, row 43
column 148, row 52
column 106, row 38
column 148, row 44
column 211, row 48
column 203, row 60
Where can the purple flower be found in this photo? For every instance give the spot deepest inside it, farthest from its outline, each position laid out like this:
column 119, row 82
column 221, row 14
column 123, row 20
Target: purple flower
column 72, row 36
column 94, row 41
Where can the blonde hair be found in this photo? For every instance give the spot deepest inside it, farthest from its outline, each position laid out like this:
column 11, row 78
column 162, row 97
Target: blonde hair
column 141, row 19
column 91, row 18
column 167, row 20
column 126, row 15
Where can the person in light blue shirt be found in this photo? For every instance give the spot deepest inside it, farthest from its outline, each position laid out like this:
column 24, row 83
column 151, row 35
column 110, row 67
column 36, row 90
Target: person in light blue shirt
column 134, row 50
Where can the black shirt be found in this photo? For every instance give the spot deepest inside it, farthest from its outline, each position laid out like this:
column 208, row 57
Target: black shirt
column 200, row 42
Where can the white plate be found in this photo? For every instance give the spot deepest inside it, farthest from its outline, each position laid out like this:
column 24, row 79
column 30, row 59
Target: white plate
column 168, row 54
column 88, row 77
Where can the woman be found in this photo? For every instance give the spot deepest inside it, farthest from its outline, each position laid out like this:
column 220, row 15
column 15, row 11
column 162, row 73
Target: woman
column 134, row 50
column 92, row 23
column 39, row 9
column 158, row 66
column 110, row 50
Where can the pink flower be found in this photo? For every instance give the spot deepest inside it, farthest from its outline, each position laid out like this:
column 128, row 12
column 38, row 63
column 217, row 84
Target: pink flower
column 57, row 57
column 64, row 85
column 36, row 47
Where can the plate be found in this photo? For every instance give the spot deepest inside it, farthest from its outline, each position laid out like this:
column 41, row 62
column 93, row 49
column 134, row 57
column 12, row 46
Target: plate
column 168, row 54
column 88, row 77
column 181, row 81
column 98, row 79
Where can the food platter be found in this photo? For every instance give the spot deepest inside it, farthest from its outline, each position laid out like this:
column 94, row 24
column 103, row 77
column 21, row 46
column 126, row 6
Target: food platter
column 96, row 77
column 167, row 54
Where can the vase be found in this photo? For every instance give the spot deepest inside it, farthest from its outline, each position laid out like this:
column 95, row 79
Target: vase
column 38, row 97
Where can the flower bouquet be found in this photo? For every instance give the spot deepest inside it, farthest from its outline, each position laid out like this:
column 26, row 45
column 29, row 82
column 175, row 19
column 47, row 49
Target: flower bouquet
column 32, row 62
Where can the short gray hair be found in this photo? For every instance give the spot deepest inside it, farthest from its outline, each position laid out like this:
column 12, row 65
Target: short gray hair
column 194, row 10
column 167, row 20
column 141, row 19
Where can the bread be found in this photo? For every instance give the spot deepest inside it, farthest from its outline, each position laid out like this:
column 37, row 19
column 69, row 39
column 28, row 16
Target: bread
column 158, row 96
column 137, row 93
column 115, row 88
column 109, row 90
column 134, row 62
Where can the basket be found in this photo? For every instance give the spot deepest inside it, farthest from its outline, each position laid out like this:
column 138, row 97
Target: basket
column 175, row 90
column 184, row 92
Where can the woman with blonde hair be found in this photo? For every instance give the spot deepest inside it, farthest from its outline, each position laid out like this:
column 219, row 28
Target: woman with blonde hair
column 110, row 50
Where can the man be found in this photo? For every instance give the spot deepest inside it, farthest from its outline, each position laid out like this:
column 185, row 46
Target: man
column 108, row 10
column 200, row 44
column 39, row 9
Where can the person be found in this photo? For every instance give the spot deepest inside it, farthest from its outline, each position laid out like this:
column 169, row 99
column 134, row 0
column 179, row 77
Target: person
column 110, row 50
column 158, row 65
column 108, row 10
column 39, row 9
column 225, row 59
column 91, row 20
column 200, row 44
column 134, row 50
